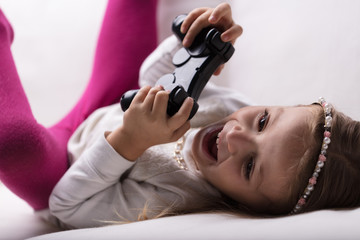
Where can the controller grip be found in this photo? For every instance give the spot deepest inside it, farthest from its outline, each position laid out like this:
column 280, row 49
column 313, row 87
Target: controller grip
column 176, row 99
column 127, row 98
column 175, row 27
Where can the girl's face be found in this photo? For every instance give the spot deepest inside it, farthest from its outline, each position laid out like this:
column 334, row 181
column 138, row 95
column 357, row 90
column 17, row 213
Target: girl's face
column 252, row 155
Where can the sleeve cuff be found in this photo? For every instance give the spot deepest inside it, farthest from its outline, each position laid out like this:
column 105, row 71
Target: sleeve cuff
column 105, row 161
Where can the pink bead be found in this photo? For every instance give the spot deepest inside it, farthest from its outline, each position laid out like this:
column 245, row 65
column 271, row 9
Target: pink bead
column 312, row 180
column 301, row 201
column 322, row 158
column 327, row 134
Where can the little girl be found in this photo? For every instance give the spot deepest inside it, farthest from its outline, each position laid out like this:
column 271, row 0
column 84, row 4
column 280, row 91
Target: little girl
column 235, row 157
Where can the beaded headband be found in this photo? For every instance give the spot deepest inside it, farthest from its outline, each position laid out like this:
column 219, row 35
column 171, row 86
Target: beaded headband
column 322, row 157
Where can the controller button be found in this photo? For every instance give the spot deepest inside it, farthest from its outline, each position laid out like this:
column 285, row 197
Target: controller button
column 217, row 42
column 181, row 57
column 179, row 95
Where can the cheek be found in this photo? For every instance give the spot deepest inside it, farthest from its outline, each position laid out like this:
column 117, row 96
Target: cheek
column 225, row 177
column 195, row 146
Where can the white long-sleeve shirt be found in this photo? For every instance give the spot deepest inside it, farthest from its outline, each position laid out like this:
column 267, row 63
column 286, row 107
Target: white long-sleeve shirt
column 101, row 186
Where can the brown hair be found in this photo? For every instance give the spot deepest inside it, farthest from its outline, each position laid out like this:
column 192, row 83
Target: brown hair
column 338, row 183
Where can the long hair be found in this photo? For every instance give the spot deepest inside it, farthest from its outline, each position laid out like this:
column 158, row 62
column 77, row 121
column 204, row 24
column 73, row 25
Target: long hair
column 338, row 183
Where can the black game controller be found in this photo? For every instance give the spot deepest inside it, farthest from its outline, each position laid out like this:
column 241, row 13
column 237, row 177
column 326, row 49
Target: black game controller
column 194, row 67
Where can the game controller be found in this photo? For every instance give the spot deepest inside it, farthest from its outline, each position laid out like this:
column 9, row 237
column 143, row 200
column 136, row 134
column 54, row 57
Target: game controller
column 194, row 67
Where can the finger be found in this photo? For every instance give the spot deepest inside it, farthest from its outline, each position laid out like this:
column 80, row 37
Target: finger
column 182, row 115
column 141, row 95
column 222, row 11
column 219, row 69
column 160, row 103
column 149, row 99
column 198, row 24
column 232, row 34
column 178, row 133
column 190, row 18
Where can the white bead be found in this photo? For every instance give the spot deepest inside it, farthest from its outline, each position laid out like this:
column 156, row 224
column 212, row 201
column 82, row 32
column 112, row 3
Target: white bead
column 327, row 109
column 328, row 121
column 320, row 164
column 327, row 140
column 310, row 188
column 328, row 118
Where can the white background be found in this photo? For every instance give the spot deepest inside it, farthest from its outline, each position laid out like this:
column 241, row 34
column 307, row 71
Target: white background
column 291, row 52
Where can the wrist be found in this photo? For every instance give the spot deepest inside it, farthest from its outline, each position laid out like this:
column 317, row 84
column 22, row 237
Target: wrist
column 124, row 145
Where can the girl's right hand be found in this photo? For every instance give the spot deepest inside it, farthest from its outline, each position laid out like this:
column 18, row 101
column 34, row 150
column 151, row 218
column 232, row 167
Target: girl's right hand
column 146, row 123
column 219, row 17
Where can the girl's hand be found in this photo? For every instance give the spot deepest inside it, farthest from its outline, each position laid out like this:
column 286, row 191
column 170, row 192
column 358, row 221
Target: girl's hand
column 146, row 123
column 219, row 17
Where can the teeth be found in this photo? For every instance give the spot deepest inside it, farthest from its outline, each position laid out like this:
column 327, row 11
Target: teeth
column 217, row 140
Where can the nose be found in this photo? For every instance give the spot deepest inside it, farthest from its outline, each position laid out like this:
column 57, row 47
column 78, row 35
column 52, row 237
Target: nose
column 238, row 138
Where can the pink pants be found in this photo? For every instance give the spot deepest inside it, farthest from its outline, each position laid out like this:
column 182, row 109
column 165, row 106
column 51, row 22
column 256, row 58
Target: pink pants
column 32, row 157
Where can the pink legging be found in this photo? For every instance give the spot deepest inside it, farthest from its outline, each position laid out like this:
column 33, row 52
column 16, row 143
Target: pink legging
column 32, row 157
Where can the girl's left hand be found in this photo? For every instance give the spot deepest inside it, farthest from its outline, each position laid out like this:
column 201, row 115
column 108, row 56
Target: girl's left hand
column 146, row 123
column 219, row 17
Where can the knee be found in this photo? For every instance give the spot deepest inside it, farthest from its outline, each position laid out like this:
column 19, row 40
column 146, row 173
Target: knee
column 6, row 31
column 20, row 140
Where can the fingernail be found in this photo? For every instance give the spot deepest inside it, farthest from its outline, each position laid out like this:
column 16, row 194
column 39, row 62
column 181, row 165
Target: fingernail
column 212, row 18
column 185, row 42
column 224, row 38
column 182, row 29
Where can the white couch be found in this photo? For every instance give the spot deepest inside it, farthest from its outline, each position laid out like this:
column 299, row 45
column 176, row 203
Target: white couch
column 291, row 52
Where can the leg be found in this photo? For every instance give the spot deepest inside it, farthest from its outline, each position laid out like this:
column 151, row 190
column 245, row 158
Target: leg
column 30, row 160
column 33, row 158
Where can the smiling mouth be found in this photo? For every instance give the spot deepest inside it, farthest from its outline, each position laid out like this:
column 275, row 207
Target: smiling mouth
column 211, row 141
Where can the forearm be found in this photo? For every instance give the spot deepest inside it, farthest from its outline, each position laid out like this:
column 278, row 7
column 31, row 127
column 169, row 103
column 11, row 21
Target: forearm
column 98, row 169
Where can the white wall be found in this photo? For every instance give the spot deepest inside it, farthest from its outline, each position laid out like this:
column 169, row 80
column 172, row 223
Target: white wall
column 295, row 51
column 290, row 52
